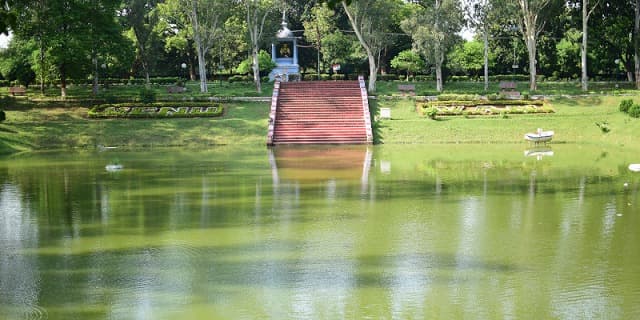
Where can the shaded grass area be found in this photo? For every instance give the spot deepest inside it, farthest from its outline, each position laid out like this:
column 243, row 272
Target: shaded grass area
column 60, row 128
column 131, row 92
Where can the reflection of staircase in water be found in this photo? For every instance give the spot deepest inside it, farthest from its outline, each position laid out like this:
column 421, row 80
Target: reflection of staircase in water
column 318, row 164
column 320, row 112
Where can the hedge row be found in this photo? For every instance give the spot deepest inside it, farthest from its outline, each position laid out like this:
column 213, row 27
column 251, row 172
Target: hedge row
column 117, row 81
column 157, row 110
column 483, row 110
column 108, row 81
column 481, row 107
column 474, row 103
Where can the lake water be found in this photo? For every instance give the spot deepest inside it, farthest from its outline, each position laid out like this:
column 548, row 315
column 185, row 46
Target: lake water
column 385, row 232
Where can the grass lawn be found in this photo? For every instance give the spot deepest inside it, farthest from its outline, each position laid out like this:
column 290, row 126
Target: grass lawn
column 574, row 122
column 55, row 126
column 60, row 128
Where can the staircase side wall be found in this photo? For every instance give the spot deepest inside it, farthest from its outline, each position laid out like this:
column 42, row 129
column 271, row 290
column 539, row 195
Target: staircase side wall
column 272, row 112
column 365, row 109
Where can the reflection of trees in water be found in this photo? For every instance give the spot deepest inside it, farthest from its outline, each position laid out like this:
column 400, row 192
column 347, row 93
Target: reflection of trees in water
column 553, row 223
column 19, row 273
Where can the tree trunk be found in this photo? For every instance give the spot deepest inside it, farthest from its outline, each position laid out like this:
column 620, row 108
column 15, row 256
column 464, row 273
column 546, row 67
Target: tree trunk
column 531, row 49
column 486, row 58
column 147, row 78
column 439, row 61
column 636, row 43
column 42, row 67
column 373, row 73
column 202, row 71
column 63, row 81
column 94, row 61
column 583, row 48
column 319, row 43
column 256, row 68
column 439, row 54
column 143, row 57
column 255, row 24
column 200, row 47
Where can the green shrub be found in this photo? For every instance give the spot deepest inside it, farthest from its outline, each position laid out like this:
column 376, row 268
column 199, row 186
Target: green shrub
column 423, row 78
column 157, row 110
column 625, row 105
column 388, row 77
column 7, row 102
column 325, row 77
column 337, row 76
column 108, row 97
column 431, row 113
column 238, row 78
column 634, row 111
column 147, row 95
column 310, row 77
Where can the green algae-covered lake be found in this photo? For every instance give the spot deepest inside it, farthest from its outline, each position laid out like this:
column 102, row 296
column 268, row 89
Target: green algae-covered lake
column 384, row 232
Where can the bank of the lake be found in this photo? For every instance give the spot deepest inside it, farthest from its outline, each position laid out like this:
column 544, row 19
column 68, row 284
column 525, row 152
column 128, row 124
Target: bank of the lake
column 246, row 123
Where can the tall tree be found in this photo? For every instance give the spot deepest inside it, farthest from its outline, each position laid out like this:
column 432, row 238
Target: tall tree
column 35, row 22
column 370, row 21
column 140, row 16
column 433, row 28
column 207, row 19
column 60, row 29
column 318, row 25
column 586, row 14
column 256, row 12
column 478, row 15
column 533, row 14
column 103, row 35
column 15, row 61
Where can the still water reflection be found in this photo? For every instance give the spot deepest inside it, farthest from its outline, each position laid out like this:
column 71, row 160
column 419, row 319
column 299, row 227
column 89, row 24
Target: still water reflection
column 391, row 232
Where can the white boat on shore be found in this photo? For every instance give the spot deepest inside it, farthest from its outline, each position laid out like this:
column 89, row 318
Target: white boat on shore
column 539, row 136
column 635, row 167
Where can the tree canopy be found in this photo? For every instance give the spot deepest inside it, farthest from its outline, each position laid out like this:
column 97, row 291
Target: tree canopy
column 57, row 41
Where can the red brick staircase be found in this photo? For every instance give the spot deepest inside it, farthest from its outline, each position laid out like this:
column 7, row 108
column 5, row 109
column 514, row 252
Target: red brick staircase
column 320, row 112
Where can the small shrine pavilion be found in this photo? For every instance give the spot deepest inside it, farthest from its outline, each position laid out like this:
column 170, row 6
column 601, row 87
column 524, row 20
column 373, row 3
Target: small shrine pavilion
column 284, row 52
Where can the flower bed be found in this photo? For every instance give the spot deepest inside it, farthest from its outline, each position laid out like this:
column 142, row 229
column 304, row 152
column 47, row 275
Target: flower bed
column 482, row 107
column 157, row 110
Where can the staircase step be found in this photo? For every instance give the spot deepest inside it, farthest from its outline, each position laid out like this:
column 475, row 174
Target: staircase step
column 320, row 112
